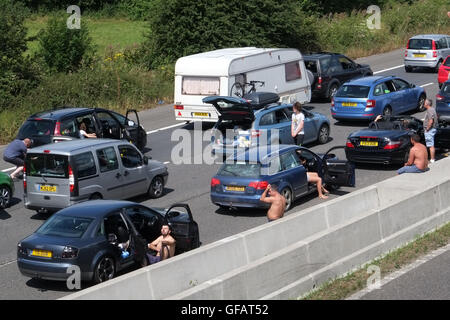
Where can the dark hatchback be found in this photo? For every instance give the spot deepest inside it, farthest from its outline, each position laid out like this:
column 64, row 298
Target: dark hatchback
column 331, row 70
column 63, row 124
column 87, row 235
column 385, row 141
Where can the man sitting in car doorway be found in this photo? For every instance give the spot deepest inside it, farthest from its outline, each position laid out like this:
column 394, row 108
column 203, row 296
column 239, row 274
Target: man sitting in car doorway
column 164, row 246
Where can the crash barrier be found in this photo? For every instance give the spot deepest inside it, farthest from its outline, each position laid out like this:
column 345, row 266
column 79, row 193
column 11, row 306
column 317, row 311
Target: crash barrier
column 289, row 257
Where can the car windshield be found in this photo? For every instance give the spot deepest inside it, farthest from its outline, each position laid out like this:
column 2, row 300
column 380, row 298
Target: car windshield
column 420, row 44
column 238, row 169
column 65, row 226
column 34, row 128
column 351, row 91
column 47, row 165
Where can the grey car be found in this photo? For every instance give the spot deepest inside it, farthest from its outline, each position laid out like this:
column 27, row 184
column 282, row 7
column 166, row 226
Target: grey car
column 427, row 50
column 62, row 174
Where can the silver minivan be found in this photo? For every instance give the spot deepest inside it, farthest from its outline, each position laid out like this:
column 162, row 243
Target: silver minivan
column 59, row 175
column 427, row 50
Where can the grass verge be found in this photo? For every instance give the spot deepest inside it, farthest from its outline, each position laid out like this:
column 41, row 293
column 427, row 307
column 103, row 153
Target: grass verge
column 344, row 287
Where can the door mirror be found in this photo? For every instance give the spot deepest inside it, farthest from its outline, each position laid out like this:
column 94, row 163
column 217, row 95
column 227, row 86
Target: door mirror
column 145, row 160
column 413, row 85
column 131, row 123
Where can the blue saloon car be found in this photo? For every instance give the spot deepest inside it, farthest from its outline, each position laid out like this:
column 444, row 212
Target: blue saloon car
column 88, row 235
column 242, row 179
column 365, row 98
column 245, row 123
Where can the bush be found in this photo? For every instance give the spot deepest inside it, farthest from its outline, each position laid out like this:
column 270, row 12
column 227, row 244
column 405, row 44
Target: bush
column 64, row 49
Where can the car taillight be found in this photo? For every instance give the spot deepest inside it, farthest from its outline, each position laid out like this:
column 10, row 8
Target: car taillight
column 178, row 107
column 258, row 185
column 392, row 145
column 24, row 178
column 406, row 53
column 370, row 104
column 319, row 86
column 71, row 180
column 439, row 97
column 349, row 144
column 332, row 102
column 407, row 45
column 434, row 54
column 256, row 133
column 214, row 182
column 433, row 45
column 69, row 252
column 57, row 131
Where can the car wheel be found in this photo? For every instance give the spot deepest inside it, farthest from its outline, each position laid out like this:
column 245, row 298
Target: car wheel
column 5, row 197
column 408, row 69
column 96, row 196
column 421, row 103
column 287, row 194
column 324, row 134
column 156, row 188
column 332, row 90
column 387, row 111
column 104, row 270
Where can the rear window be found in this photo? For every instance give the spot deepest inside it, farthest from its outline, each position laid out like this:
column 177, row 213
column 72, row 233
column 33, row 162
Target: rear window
column 47, row 165
column 292, row 71
column 311, row 65
column 201, row 86
column 85, row 164
column 420, row 44
column 35, row 128
column 246, row 170
column 65, row 227
column 348, row 91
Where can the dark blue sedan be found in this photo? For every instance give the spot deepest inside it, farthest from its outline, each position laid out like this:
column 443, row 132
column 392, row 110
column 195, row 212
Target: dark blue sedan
column 243, row 177
column 88, row 235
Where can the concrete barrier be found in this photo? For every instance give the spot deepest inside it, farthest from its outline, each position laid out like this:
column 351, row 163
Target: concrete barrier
column 311, row 247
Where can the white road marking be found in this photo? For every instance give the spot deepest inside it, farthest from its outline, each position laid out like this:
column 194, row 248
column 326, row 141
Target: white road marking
column 428, row 84
column 167, row 162
column 388, row 69
column 166, row 128
column 10, row 169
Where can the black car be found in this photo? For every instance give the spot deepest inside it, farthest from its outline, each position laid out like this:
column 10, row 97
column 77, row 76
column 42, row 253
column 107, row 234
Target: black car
column 88, row 235
column 385, row 141
column 442, row 137
column 443, row 102
column 331, row 70
column 64, row 124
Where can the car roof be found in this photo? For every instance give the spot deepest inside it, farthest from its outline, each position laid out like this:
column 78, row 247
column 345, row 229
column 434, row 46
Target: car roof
column 57, row 113
column 262, row 155
column 94, row 208
column 368, row 81
column 316, row 55
column 74, row 145
column 429, row 36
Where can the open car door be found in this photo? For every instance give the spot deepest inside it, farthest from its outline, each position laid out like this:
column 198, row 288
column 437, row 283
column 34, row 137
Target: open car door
column 184, row 228
column 131, row 126
column 337, row 172
column 231, row 108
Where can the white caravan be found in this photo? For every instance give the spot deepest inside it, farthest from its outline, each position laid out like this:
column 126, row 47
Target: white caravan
column 214, row 73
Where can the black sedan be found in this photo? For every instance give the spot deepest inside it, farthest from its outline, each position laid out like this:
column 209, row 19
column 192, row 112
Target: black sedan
column 91, row 235
column 384, row 141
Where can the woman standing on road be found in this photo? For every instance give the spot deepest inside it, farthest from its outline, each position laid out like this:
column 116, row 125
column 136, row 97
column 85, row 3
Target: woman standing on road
column 298, row 121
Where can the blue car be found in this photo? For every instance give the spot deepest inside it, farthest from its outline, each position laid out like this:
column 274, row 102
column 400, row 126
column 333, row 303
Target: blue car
column 260, row 120
column 365, row 98
column 242, row 179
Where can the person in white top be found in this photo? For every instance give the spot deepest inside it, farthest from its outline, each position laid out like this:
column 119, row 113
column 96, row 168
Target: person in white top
column 298, row 121
column 84, row 134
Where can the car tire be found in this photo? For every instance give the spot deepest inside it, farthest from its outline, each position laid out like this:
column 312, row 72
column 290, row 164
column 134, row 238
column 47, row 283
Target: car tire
column 408, row 69
column 156, row 188
column 387, row 111
column 421, row 103
column 324, row 134
column 5, row 197
column 332, row 90
column 287, row 194
column 96, row 196
column 105, row 269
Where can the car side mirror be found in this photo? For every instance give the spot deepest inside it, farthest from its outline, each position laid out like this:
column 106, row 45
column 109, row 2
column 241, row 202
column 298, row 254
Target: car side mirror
column 413, row 85
column 131, row 123
column 145, row 160
column 112, row 238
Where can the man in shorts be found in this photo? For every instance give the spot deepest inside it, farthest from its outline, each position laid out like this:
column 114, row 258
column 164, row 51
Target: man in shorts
column 418, row 157
column 430, row 124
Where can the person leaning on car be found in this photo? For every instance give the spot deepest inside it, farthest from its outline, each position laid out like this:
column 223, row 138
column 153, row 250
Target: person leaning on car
column 430, row 124
column 15, row 154
column 298, row 121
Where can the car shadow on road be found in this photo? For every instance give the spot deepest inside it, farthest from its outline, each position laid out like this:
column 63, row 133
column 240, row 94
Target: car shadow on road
column 378, row 167
column 352, row 123
column 4, row 215
column 242, row 212
column 143, row 198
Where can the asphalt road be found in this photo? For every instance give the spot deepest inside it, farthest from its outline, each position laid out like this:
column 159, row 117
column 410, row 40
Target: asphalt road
column 191, row 184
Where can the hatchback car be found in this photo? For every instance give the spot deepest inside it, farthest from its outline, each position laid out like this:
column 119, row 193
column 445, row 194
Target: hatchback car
column 64, row 124
column 6, row 190
column 426, row 50
column 365, row 98
column 241, row 181
column 88, row 235
column 444, row 72
column 242, row 125
column 331, row 70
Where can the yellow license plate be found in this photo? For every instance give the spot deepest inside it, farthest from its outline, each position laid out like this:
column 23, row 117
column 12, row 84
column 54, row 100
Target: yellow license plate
column 349, row 104
column 238, row 189
column 369, row 143
column 201, row 114
column 420, row 55
column 41, row 253
column 47, row 188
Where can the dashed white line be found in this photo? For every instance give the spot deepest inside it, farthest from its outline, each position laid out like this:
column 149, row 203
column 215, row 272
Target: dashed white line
column 166, row 128
column 10, row 169
column 167, row 162
column 428, row 84
column 388, row 69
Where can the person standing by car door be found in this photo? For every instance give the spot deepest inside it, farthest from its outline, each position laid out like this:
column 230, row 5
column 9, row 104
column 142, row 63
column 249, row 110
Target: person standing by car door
column 430, row 125
column 15, row 154
column 298, row 123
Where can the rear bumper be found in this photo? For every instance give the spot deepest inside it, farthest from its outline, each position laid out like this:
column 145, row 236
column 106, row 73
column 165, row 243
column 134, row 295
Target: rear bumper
column 421, row 63
column 382, row 156
column 238, row 201
column 369, row 116
column 31, row 204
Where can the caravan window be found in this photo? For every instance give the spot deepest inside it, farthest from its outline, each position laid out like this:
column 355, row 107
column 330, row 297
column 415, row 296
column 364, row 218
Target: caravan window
column 201, row 86
column 293, row 71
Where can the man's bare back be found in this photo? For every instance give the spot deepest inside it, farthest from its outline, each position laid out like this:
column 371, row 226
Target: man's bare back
column 419, row 156
column 277, row 203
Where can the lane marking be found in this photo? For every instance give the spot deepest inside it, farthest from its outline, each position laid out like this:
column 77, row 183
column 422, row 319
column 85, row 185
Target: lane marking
column 388, row 69
column 166, row 128
column 167, row 162
column 10, row 169
column 428, row 84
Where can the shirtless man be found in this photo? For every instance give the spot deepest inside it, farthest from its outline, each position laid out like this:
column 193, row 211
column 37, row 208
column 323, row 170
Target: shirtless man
column 164, row 246
column 277, row 203
column 418, row 157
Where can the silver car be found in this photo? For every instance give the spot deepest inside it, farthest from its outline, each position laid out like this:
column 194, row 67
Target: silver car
column 62, row 174
column 427, row 50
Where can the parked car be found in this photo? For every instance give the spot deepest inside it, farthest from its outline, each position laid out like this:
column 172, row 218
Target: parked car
column 331, row 70
column 443, row 102
column 87, row 235
column 63, row 124
column 6, row 190
column 365, row 98
column 426, row 50
column 254, row 122
column 385, row 141
column 444, row 72
column 241, row 181
column 442, row 137
column 59, row 175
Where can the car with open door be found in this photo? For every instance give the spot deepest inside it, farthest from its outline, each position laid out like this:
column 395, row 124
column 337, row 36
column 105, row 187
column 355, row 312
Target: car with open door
column 63, row 124
column 242, row 179
column 101, row 237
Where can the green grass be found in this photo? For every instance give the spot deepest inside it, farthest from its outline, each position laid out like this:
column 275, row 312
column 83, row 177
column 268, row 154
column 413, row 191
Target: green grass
column 105, row 32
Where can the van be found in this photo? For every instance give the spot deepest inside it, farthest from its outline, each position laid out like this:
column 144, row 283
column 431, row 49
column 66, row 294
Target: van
column 59, row 175
column 216, row 73
column 427, row 50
